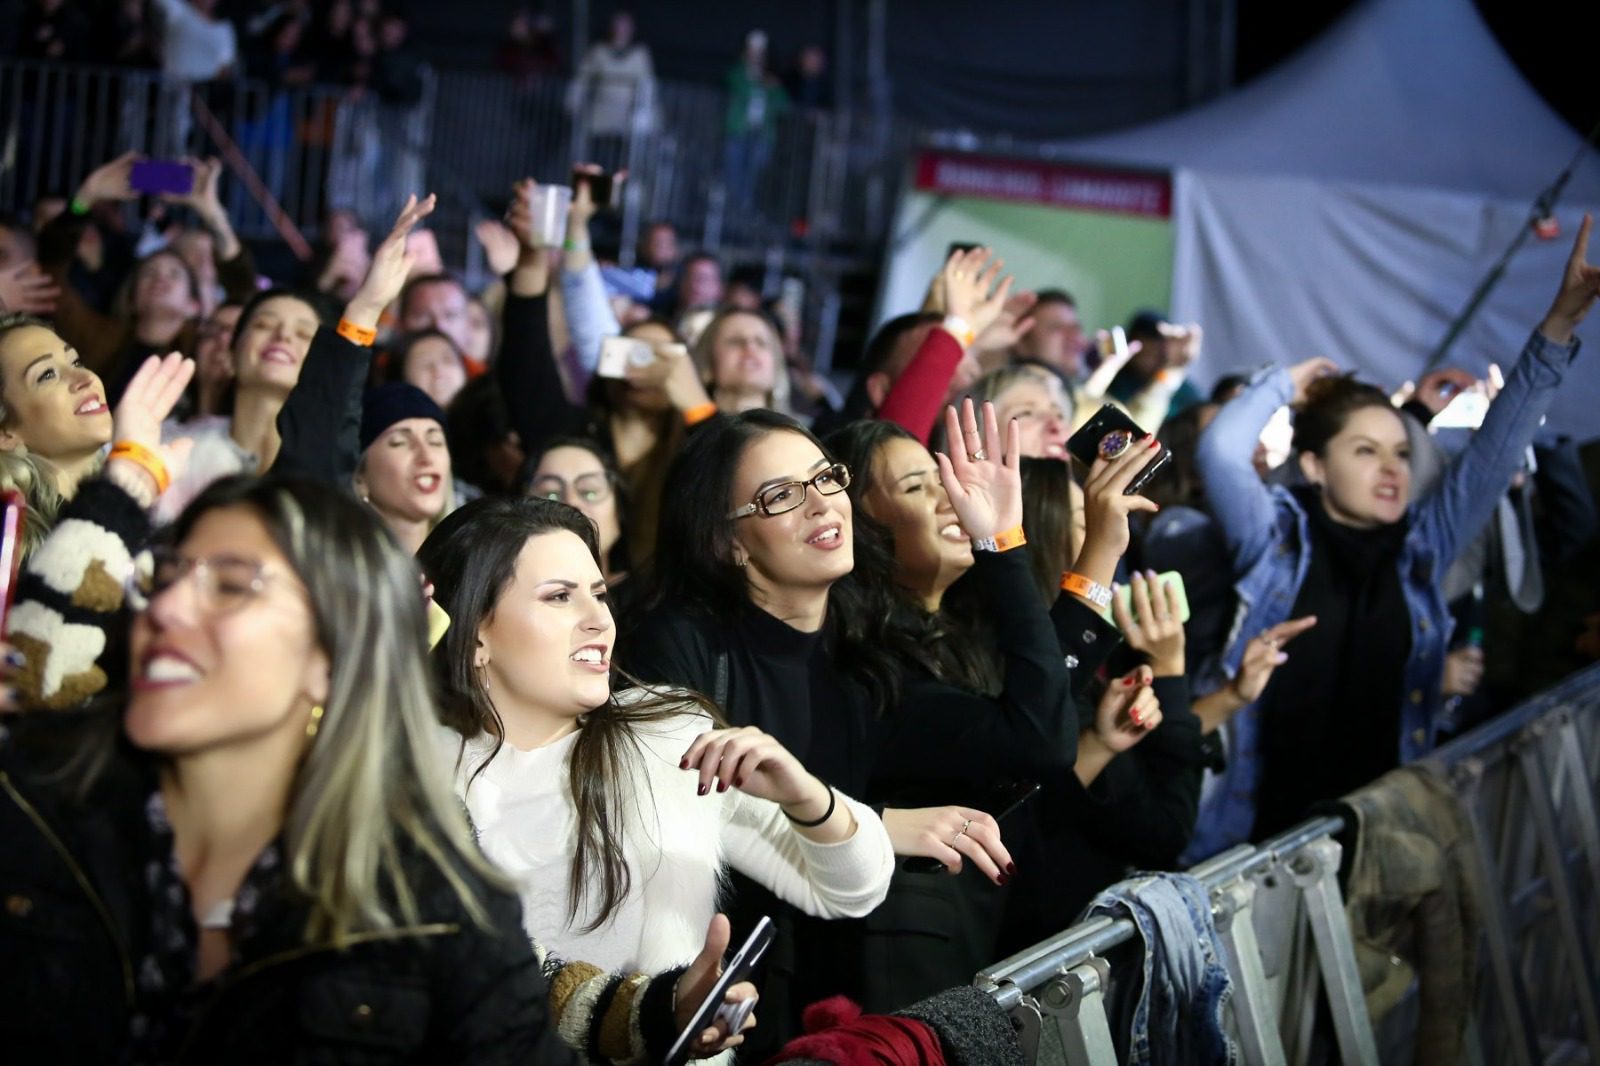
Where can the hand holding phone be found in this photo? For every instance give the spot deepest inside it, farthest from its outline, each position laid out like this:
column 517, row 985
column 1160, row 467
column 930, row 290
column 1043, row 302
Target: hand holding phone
column 712, row 1007
column 1109, row 435
column 617, row 354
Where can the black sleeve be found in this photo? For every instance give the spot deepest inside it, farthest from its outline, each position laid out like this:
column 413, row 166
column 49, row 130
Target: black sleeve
column 526, row 368
column 1144, row 804
column 1566, row 515
column 943, row 733
column 320, row 423
column 667, row 648
column 1084, row 637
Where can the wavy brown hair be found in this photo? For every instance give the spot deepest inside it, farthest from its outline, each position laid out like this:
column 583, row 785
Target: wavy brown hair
column 471, row 558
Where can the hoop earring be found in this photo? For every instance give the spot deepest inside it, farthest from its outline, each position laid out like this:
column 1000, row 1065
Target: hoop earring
column 316, row 720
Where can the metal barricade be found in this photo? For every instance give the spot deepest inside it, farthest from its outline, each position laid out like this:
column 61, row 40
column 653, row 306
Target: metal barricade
column 1527, row 783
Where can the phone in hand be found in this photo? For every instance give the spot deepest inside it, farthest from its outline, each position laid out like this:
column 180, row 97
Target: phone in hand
column 712, row 1007
column 617, row 354
column 1114, row 344
column 960, row 246
column 1166, row 577
column 13, row 510
column 156, row 176
column 1107, row 435
column 603, row 186
column 1003, row 801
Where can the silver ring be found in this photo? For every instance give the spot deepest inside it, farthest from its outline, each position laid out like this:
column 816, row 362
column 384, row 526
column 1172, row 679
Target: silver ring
column 963, row 832
column 978, row 456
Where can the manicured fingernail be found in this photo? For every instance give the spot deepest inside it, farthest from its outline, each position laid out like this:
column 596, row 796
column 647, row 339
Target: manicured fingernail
column 15, row 659
column 704, row 789
column 738, row 782
column 722, row 786
column 1003, row 880
column 1154, row 443
column 1150, row 575
column 1011, row 868
column 684, row 765
column 1127, row 681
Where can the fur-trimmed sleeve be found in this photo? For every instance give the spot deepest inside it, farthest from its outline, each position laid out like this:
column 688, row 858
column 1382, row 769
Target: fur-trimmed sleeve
column 68, row 619
column 611, row 1018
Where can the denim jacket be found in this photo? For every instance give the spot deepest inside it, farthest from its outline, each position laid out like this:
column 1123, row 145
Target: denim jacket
column 1268, row 534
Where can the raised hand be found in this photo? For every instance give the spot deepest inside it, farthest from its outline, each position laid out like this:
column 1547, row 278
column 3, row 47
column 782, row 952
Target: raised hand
column 500, row 246
column 110, row 181
column 1127, row 712
column 983, row 480
column 1580, row 284
column 950, row 834
column 1438, row 387
column 1265, row 654
column 391, row 266
column 1106, row 507
column 152, row 393
column 672, row 371
column 970, row 292
column 1010, row 325
column 1303, row 374
column 696, row 984
column 1153, row 627
column 27, row 289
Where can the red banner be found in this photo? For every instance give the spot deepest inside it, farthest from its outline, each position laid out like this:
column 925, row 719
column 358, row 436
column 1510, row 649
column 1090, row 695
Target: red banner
column 1120, row 192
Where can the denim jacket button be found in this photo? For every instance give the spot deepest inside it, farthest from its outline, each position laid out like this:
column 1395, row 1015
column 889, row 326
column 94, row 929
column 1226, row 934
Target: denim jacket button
column 1416, row 695
column 1419, row 736
column 1422, row 624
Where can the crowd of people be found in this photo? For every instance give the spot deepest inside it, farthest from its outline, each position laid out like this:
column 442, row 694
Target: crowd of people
column 407, row 672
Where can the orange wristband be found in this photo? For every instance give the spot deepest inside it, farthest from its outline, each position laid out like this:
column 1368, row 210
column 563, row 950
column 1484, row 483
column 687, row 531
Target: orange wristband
column 1002, row 541
column 699, row 413
column 359, row 335
column 139, row 455
column 1090, row 590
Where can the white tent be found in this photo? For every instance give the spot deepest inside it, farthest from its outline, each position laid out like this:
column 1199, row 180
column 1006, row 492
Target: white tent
column 1348, row 203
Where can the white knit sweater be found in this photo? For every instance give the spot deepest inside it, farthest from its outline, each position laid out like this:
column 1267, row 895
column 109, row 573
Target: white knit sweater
column 677, row 844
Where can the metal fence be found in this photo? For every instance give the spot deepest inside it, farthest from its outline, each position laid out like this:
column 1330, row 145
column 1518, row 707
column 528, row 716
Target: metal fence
column 1527, row 783
column 303, row 150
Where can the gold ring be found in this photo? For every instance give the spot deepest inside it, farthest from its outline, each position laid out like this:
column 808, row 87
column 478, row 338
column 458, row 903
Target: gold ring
column 978, row 456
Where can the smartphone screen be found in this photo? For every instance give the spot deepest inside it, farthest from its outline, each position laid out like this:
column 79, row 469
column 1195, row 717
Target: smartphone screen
column 15, row 508
column 156, row 176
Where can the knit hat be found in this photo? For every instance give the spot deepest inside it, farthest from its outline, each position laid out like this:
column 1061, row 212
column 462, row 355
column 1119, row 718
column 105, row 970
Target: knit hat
column 395, row 402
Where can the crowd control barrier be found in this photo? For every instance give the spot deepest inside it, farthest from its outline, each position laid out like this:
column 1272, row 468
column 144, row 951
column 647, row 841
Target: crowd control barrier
column 1526, row 783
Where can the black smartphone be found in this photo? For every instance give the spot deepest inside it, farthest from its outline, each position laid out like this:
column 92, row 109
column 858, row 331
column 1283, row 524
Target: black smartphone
column 1107, row 435
column 602, row 186
column 1005, row 799
column 960, row 246
column 738, row 970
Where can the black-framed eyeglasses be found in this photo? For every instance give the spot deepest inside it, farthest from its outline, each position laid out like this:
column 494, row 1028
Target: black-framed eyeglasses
column 787, row 495
column 223, row 583
column 586, row 488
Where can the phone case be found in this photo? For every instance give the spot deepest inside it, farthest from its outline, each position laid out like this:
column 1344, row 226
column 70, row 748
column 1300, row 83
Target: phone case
column 1125, row 594
column 155, row 176
column 1107, row 434
column 619, row 353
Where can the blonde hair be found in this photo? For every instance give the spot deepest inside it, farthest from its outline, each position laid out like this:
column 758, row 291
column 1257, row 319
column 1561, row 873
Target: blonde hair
column 23, row 472
column 374, row 786
column 704, row 356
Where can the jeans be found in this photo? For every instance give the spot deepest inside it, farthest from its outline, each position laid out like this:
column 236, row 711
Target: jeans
column 1178, row 1017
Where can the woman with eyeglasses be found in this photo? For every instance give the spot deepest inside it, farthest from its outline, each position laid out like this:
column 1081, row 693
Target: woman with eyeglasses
column 258, row 858
column 579, row 472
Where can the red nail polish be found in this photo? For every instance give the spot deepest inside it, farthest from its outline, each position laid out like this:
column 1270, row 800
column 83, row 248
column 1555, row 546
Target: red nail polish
column 1011, row 868
column 1127, row 681
column 722, row 786
column 1003, row 880
column 738, row 782
column 1154, row 443
column 684, row 764
column 704, row 789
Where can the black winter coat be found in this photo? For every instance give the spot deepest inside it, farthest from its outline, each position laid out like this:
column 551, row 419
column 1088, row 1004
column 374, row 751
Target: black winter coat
column 73, row 927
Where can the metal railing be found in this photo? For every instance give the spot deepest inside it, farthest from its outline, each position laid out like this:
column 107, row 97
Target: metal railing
column 311, row 148
column 1527, row 784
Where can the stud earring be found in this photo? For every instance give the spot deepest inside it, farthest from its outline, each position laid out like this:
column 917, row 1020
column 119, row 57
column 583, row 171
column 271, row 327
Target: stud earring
column 316, row 720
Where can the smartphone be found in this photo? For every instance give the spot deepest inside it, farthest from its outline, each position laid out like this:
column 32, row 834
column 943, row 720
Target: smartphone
column 712, row 1006
column 155, row 176
column 602, row 186
column 1006, row 799
column 1167, row 577
column 617, row 354
column 960, row 246
column 1114, row 344
column 15, row 510
column 1109, row 433
column 1466, row 411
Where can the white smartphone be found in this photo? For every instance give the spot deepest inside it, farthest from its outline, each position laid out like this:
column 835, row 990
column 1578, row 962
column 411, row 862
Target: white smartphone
column 617, row 354
column 712, row 1007
column 1466, row 411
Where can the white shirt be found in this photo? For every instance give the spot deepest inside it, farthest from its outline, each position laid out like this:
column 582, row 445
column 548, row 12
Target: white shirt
column 676, row 844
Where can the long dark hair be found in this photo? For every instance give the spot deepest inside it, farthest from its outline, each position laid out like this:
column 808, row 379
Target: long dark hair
column 1181, row 485
column 1047, row 516
column 694, row 565
column 951, row 644
column 471, row 558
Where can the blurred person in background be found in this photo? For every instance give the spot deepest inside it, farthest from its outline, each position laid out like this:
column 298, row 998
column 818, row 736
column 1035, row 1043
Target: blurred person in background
column 612, row 97
column 756, row 102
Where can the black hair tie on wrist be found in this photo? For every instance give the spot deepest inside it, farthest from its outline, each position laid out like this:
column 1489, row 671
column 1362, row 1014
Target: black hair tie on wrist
column 833, row 800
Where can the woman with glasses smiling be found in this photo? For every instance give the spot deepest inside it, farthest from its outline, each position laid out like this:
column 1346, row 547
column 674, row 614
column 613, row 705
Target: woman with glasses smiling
column 578, row 471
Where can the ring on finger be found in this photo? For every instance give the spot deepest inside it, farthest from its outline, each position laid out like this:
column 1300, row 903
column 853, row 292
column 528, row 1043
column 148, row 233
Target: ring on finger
column 961, row 832
column 978, row 456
